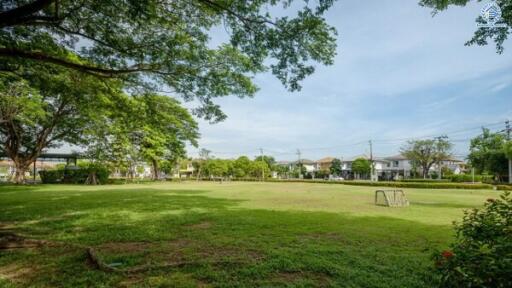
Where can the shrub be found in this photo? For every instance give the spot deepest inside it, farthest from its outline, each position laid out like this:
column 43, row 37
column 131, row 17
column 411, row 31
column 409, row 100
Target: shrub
column 469, row 178
column 482, row 253
column 426, row 180
column 51, row 176
column 75, row 175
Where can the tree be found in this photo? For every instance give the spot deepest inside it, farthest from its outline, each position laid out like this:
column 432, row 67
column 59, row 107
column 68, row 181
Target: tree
column 165, row 45
column 361, row 166
column 482, row 34
column 267, row 159
column 162, row 129
column 425, row 153
column 216, row 167
column 486, row 153
column 204, row 155
column 242, row 167
column 43, row 107
column 335, row 167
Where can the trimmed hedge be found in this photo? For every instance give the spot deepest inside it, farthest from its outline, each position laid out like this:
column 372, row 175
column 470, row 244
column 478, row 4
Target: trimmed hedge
column 77, row 175
column 427, row 185
column 504, row 187
column 425, row 180
column 51, row 176
column 469, row 178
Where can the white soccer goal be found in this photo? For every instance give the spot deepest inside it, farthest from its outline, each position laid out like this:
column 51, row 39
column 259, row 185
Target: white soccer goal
column 391, row 198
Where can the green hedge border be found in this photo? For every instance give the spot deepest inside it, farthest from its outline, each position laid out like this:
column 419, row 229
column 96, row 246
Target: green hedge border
column 426, row 185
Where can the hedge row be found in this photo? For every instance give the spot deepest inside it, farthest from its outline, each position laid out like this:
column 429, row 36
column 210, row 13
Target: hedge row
column 504, row 187
column 428, row 185
column 469, row 178
column 426, row 180
column 78, row 175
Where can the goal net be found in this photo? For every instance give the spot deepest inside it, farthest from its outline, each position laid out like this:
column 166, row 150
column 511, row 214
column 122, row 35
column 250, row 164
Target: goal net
column 391, row 198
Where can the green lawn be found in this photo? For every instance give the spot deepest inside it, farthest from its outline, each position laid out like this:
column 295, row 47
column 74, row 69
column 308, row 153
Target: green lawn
column 227, row 235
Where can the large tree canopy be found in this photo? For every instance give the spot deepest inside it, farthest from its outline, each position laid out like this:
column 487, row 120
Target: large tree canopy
column 156, row 45
column 42, row 107
column 488, row 153
column 482, row 34
column 426, row 153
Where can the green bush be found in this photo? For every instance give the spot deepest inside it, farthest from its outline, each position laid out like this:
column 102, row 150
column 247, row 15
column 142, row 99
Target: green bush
column 481, row 255
column 75, row 175
column 504, row 187
column 442, row 185
column 469, row 178
column 426, row 180
column 51, row 176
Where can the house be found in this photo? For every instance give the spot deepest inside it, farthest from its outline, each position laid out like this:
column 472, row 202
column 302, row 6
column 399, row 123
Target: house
column 398, row 166
column 379, row 165
column 324, row 164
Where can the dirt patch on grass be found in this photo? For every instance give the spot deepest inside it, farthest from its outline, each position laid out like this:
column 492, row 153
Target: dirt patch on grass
column 16, row 273
column 201, row 225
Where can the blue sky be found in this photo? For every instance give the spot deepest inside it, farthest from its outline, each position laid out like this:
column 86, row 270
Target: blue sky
column 399, row 74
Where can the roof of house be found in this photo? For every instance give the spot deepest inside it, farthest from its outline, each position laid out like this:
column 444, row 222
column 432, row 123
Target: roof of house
column 326, row 160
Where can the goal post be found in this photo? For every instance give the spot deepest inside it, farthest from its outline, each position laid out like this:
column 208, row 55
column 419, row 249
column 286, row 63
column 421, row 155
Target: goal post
column 391, row 198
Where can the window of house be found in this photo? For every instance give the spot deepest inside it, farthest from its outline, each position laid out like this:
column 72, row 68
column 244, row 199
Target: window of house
column 395, row 163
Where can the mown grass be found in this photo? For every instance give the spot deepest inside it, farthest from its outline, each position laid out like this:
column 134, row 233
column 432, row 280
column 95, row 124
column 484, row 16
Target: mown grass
column 228, row 235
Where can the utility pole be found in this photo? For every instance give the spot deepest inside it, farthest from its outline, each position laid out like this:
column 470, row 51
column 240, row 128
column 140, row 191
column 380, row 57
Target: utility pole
column 262, row 166
column 439, row 176
column 371, row 160
column 299, row 164
column 508, row 129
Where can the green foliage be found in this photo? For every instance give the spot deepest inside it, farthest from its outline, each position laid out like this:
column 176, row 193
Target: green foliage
column 425, row 153
column 421, row 180
column 336, row 167
column 267, row 235
column 43, row 107
column 75, row 175
column 483, row 34
column 469, row 178
column 487, row 154
column 361, row 166
column 481, row 255
column 158, row 44
column 51, row 176
column 396, row 184
column 148, row 127
column 267, row 159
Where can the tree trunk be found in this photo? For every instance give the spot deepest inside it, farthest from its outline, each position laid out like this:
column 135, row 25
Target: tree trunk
column 155, row 169
column 425, row 172
column 19, row 175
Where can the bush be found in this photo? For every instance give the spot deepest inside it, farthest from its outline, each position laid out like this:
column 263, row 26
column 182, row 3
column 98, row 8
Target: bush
column 51, row 176
column 469, row 178
column 426, row 180
column 75, row 175
column 482, row 253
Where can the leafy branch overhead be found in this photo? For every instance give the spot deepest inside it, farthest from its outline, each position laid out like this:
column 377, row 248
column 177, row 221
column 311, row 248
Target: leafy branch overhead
column 482, row 34
column 156, row 45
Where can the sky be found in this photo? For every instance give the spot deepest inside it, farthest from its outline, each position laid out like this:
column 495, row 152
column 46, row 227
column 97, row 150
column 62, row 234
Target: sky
column 399, row 74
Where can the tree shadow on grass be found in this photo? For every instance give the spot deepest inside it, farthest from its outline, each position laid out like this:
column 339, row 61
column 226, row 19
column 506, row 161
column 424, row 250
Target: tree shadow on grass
column 267, row 248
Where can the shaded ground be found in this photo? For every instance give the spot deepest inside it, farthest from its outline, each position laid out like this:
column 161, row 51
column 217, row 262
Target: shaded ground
column 226, row 235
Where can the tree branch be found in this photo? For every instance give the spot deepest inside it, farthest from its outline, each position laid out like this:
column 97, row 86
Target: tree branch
column 22, row 13
column 94, row 70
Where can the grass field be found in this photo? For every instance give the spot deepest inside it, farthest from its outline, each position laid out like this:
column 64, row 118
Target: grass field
column 227, row 235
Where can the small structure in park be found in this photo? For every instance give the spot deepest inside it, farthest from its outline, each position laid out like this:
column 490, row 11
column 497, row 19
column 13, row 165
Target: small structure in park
column 391, row 198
